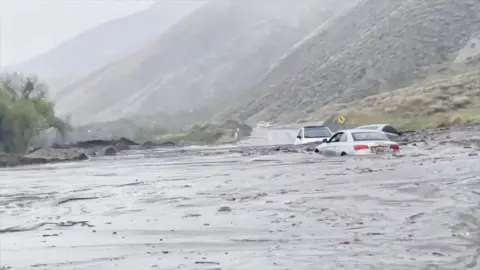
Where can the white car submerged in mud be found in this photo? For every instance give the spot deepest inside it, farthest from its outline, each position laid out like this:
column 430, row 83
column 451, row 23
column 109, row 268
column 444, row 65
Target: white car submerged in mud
column 357, row 142
column 309, row 134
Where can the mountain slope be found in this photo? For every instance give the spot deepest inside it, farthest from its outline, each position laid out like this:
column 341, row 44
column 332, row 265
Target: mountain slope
column 376, row 46
column 221, row 77
column 96, row 47
column 207, row 59
column 439, row 101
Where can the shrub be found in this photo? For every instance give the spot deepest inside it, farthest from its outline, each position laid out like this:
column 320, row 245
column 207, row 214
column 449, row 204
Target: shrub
column 25, row 112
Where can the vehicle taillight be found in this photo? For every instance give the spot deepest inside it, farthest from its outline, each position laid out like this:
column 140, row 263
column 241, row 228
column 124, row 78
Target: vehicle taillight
column 395, row 147
column 360, row 147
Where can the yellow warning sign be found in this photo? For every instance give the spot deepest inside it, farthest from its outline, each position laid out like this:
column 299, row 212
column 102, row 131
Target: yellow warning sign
column 341, row 119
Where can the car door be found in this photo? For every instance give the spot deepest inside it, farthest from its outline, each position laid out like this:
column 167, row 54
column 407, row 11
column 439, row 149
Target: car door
column 331, row 146
column 342, row 144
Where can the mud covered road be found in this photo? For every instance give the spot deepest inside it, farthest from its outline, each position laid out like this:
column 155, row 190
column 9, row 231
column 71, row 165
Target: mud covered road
column 249, row 209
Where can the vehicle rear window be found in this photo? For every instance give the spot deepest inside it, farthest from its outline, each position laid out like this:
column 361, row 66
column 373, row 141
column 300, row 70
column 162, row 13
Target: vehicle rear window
column 390, row 129
column 369, row 136
column 317, row 132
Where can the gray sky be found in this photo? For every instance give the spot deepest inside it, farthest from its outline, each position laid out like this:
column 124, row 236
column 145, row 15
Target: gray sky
column 31, row 27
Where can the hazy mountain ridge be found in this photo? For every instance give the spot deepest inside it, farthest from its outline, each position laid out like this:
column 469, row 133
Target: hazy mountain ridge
column 193, row 64
column 225, row 74
column 377, row 46
column 94, row 48
column 211, row 77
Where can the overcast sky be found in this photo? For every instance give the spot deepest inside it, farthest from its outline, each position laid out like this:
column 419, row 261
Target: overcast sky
column 31, row 27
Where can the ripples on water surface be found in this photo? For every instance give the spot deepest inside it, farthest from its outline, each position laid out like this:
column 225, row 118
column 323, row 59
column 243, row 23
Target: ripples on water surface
column 159, row 210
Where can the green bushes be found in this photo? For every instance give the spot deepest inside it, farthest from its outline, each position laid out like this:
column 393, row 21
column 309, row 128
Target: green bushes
column 24, row 112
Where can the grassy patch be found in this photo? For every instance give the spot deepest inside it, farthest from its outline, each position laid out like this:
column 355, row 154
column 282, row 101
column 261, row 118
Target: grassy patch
column 443, row 102
column 209, row 133
column 197, row 134
column 462, row 116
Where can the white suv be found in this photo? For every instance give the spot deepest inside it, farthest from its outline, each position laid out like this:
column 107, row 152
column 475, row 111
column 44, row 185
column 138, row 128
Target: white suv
column 310, row 134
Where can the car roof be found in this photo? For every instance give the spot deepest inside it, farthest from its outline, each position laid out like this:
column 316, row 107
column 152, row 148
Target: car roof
column 315, row 126
column 375, row 125
column 359, row 130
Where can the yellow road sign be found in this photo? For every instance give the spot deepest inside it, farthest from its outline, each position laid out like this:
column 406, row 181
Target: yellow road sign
column 341, row 119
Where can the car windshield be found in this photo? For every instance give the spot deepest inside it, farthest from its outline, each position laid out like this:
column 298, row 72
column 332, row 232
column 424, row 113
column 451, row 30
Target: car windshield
column 369, row 136
column 317, row 132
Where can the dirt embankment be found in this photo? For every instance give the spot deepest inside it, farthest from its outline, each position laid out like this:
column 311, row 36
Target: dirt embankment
column 213, row 134
column 68, row 152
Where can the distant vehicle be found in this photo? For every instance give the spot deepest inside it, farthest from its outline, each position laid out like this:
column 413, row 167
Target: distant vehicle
column 309, row 134
column 390, row 131
column 357, row 142
column 263, row 124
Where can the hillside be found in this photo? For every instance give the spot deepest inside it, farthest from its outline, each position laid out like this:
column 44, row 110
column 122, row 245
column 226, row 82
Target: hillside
column 207, row 59
column 439, row 101
column 377, row 46
column 96, row 47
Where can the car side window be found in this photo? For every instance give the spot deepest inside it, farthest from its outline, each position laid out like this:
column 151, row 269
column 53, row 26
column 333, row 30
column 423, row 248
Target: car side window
column 344, row 137
column 390, row 129
column 336, row 138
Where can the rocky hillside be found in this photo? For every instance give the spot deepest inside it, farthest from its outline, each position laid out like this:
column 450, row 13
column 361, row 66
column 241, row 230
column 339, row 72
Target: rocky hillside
column 96, row 47
column 376, row 46
column 208, row 59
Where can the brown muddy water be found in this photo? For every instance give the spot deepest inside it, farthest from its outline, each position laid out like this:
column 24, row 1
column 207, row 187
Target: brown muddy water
column 224, row 209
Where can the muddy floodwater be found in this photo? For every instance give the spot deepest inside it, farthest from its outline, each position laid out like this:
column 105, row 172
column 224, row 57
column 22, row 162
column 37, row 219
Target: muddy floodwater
column 217, row 208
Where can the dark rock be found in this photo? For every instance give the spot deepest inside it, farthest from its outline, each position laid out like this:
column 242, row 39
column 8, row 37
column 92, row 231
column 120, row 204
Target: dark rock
column 99, row 147
column 224, row 209
column 121, row 144
column 192, row 215
column 109, row 151
column 56, row 154
column 150, row 144
column 42, row 156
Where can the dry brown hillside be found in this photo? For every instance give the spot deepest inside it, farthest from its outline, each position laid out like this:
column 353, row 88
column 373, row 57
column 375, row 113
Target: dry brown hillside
column 439, row 101
column 375, row 47
column 207, row 59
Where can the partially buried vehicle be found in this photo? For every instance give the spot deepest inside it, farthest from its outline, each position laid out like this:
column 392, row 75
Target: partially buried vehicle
column 309, row 134
column 357, row 142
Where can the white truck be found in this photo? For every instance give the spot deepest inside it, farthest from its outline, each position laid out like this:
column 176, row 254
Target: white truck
column 309, row 134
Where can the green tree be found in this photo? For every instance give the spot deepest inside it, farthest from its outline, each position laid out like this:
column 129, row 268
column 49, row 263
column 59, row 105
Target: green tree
column 25, row 112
